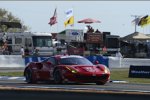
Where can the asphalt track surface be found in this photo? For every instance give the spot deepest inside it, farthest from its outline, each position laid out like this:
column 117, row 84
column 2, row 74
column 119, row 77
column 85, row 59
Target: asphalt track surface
column 20, row 90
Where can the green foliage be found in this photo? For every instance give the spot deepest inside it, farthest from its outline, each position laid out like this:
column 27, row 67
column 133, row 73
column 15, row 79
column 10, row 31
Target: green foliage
column 9, row 17
column 11, row 73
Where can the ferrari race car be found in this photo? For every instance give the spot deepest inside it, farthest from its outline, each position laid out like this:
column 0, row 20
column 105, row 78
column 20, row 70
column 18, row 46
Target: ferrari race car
column 66, row 68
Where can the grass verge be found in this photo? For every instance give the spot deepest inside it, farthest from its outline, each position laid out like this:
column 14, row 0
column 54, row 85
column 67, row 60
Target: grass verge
column 11, row 74
column 119, row 74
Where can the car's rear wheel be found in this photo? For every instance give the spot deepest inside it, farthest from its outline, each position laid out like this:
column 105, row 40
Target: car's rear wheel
column 57, row 77
column 28, row 76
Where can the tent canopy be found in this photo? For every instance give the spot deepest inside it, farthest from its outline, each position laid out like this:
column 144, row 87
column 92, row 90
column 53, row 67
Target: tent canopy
column 136, row 36
column 89, row 21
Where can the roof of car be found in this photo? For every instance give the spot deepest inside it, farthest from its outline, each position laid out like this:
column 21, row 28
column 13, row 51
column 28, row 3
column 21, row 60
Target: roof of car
column 68, row 56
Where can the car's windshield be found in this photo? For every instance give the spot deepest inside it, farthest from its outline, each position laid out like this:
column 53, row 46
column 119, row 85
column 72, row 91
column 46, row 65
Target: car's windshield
column 75, row 61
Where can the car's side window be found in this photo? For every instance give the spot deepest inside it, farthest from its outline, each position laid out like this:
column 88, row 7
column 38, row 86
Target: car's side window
column 52, row 60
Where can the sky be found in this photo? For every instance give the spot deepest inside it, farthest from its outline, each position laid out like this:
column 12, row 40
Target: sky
column 115, row 16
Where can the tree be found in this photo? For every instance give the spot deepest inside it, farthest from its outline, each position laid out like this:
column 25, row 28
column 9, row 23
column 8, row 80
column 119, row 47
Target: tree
column 6, row 16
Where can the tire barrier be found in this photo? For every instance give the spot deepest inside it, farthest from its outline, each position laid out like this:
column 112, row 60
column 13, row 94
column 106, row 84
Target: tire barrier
column 12, row 61
column 33, row 59
column 102, row 59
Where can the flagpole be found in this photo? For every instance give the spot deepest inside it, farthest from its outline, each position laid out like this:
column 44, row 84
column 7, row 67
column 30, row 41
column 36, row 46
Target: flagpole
column 135, row 16
column 135, row 23
column 73, row 17
column 57, row 19
column 149, row 30
column 57, row 26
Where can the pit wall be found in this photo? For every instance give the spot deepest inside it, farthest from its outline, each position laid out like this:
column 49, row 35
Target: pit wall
column 13, row 61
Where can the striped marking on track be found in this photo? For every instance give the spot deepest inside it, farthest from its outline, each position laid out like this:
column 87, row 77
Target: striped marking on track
column 23, row 78
column 11, row 78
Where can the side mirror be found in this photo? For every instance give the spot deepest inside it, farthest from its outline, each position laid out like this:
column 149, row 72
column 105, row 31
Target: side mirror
column 39, row 65
column 96, row 62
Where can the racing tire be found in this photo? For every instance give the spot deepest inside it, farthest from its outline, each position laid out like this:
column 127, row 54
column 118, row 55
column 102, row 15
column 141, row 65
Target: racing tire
column 28, row 76
column 57, row 77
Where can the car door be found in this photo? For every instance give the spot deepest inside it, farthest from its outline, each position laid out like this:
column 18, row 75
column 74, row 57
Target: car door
column 44, row 71
column 49, row 66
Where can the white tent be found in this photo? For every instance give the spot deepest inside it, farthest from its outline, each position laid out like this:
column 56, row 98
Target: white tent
column 136, row 36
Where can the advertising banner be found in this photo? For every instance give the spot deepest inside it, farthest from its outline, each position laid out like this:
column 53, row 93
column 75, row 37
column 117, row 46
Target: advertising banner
column 74, row 35
column 94, row 38
column 75, row 51
column 139, row 71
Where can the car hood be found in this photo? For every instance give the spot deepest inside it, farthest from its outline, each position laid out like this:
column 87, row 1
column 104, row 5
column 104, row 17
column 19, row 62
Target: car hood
column 86, row 68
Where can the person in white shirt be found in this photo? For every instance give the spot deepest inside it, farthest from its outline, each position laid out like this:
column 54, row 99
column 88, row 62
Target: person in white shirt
column 118, row 54
column 22, row 52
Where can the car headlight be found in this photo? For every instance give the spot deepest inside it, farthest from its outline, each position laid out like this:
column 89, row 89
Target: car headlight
column 72, row 70
column 106, row 70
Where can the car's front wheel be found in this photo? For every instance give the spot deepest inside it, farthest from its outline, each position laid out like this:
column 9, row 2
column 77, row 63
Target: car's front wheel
column 57, row 77
column 28, row 76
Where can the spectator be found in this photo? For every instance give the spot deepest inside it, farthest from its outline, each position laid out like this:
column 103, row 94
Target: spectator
column 9, row 49
column 35, row 52
column 118, row 54
column 97, row 31
column 5, row 48
column 90, row 29
column 26, row 51
column 22, row 52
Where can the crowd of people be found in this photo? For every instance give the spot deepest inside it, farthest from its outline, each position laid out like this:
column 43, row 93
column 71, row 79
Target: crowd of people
column 91, row 30
column 25, row 52
column 7, row 50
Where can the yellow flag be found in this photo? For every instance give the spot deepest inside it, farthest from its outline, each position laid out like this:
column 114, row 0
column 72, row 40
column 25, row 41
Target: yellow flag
column 69, row 21
column 145, row 21
column 148, row 20
column 69, row 17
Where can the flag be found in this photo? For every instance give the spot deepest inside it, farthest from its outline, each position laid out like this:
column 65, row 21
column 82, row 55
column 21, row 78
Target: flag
column 69, row 17
column 136, row 21
column 69, row 21
column 53, row 19
column 144, row 21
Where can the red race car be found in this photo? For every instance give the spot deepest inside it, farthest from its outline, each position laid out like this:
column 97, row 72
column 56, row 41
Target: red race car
column 67, row 68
